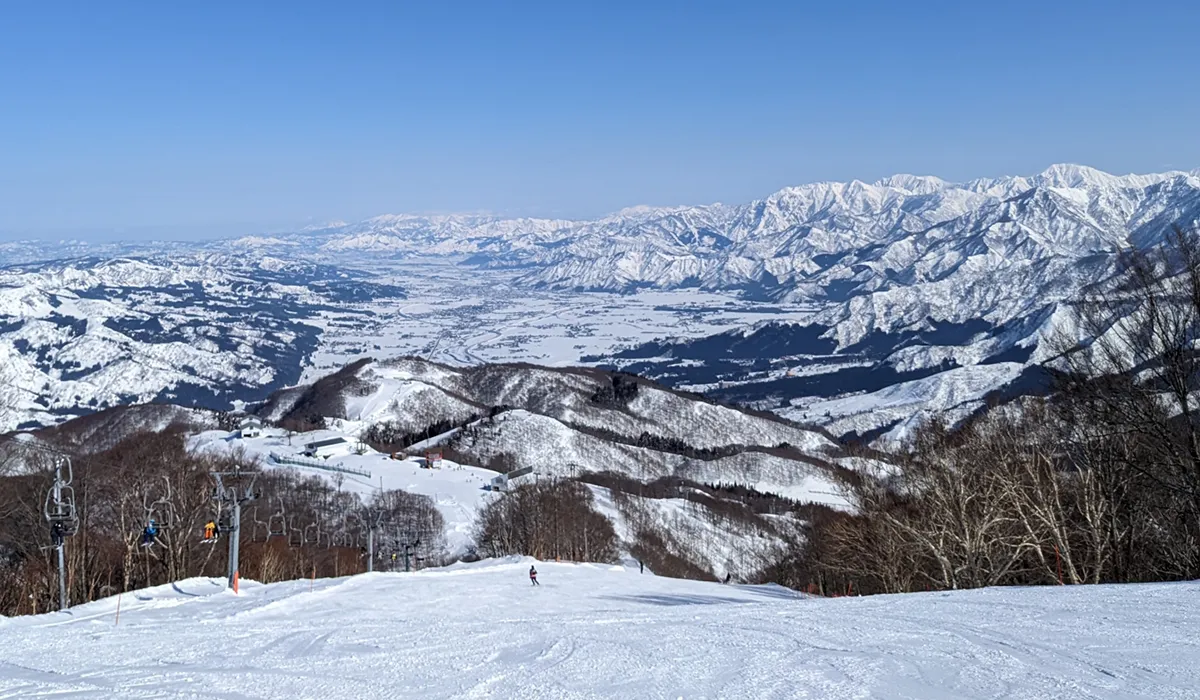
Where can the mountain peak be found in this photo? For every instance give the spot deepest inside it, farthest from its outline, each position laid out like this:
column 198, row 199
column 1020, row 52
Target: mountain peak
column 915, row 184
column 1073, row 175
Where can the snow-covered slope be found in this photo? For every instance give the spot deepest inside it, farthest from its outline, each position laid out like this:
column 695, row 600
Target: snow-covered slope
column 715, row 543
column 592, row 631
column 458, row 490
column 559, row 422
column 196, row 329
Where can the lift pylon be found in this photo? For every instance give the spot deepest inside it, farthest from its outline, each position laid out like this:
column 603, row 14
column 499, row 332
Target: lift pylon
column 234, row 488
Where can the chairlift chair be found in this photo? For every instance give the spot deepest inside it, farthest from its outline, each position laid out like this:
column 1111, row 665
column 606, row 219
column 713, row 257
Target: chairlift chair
column 351, row 532
column 160, row 514
column 295, row 535
column 277, row 522
column 259, row 524
column 225, row 522
column 66, row 521
column 312, row 533
column 59, row 508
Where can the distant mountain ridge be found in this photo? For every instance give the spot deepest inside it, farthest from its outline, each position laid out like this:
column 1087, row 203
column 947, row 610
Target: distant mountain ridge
column 928, row 296
column 925, row 295
column 795, row 240
column 910, row 278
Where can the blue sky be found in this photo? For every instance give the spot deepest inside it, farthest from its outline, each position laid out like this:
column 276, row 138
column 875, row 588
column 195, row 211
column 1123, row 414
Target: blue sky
column 193, row 119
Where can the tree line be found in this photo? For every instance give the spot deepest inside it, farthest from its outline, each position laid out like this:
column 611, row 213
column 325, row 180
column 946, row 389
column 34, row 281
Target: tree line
column 296, row 527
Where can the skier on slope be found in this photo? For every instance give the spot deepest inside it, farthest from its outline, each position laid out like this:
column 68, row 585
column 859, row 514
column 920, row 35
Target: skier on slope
column 533, row 576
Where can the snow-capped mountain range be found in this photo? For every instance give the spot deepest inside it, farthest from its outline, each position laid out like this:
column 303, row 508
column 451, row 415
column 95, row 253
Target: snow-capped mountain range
column 921, row 294
column 937, row 292
column 796, row 242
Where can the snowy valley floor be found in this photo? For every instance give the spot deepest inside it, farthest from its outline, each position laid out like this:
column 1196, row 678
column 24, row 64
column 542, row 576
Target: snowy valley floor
column 481, row 630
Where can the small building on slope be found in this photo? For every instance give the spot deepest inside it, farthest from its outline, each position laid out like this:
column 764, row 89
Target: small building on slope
column 250, row 427
column 504, row 481
column 327, row 448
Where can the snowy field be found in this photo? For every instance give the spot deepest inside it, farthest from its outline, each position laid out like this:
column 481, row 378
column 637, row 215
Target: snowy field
column 481, row 631
column 465, row 316
column 456, row 489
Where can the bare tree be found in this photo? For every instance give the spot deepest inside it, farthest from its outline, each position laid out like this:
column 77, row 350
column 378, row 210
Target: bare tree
column 1137, row 378
column 551, row 519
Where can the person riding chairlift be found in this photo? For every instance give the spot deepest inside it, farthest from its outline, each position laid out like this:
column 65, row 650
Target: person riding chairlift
column 149, row 534
column 210, row 531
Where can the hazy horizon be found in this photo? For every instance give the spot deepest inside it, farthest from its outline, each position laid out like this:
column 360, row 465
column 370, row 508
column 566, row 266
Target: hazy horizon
column 221, row 230
column 149, row 120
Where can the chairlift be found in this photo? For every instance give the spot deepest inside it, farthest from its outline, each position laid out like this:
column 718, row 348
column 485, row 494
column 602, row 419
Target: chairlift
column 212, row 528
column 149, row 533
column 351, row 530
column 212, row 532
column 295, row 535
column 258, row 524
column 160, row 515
column 59, row 508
column 277, row 522
column 312, row 533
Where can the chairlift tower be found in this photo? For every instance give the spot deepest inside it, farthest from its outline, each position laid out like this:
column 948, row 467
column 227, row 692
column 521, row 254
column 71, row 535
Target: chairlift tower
column 233, row 489
column 408, row 543
column 374, row 522
column 60, row 513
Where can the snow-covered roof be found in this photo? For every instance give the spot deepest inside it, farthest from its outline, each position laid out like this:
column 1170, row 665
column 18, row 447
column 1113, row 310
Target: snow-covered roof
column 326, row 443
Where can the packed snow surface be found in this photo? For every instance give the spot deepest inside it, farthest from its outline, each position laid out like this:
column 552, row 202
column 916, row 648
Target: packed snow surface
column 482, row 630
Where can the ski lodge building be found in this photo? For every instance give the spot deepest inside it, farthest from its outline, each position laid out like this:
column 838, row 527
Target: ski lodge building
column 327, row 448
column 502, row 482
column 250, row 427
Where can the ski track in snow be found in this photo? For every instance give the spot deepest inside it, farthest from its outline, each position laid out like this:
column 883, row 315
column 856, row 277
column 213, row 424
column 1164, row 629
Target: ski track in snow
column 480, row 630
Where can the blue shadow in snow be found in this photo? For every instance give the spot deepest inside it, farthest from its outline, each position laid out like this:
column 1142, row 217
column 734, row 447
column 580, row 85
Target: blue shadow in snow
column 649, row 599
column 777, row 592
